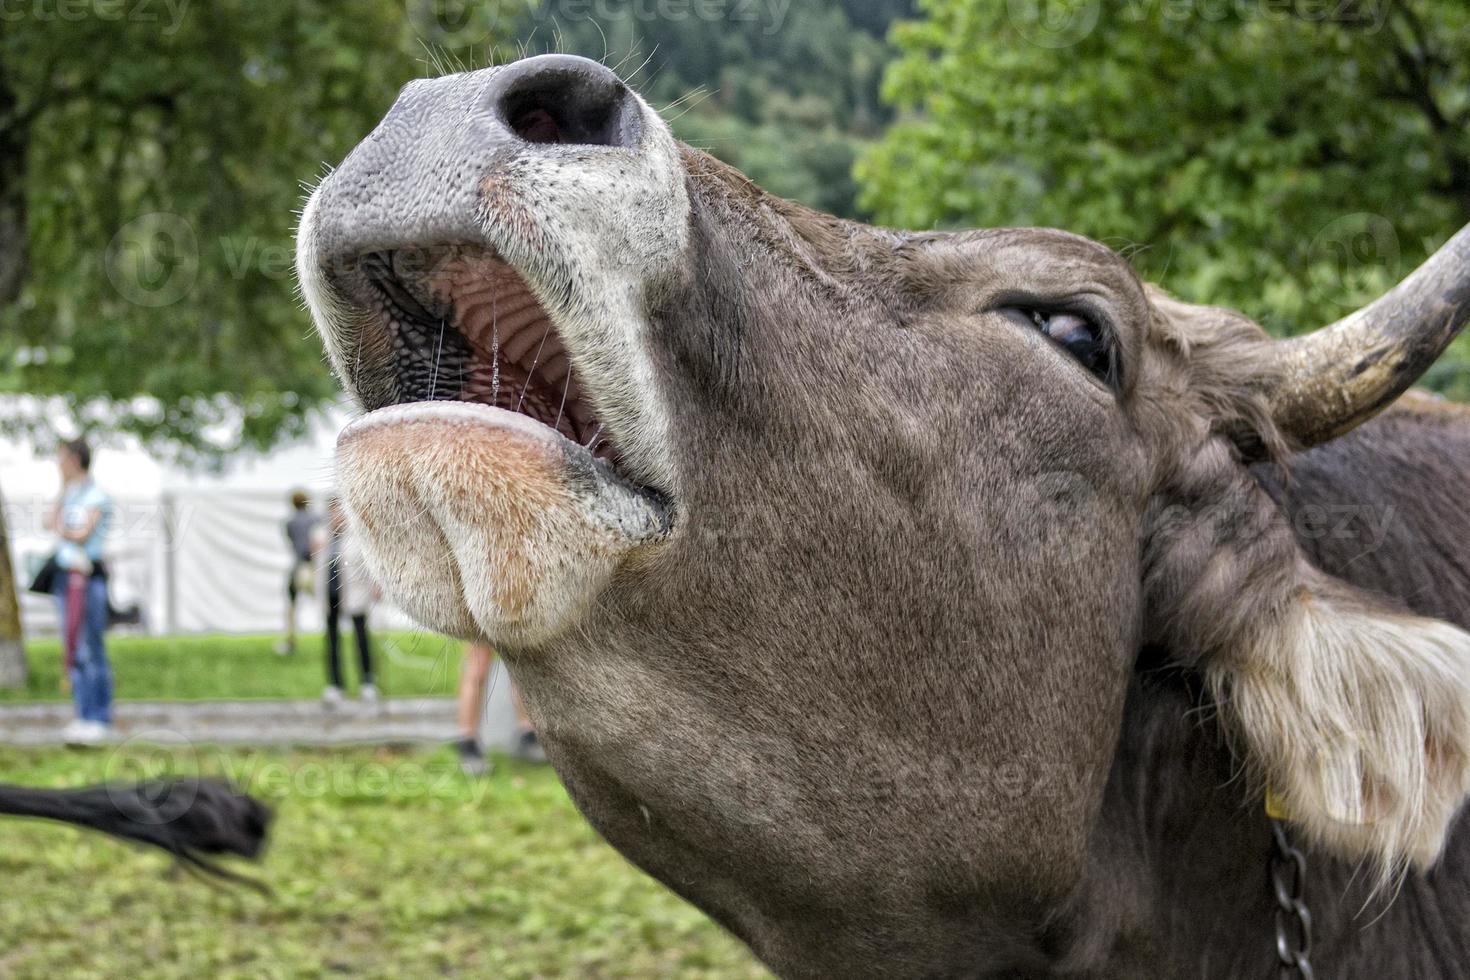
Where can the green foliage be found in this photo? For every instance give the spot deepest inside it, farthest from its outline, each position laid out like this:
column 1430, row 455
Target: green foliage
column 787, row 93
column 1291, row 160
column 157, row 164
column 163, row 163
column 198, row 668
column 382, row 864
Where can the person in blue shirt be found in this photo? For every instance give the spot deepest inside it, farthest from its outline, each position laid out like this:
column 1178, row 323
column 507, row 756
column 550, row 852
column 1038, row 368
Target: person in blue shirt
column 81, row 520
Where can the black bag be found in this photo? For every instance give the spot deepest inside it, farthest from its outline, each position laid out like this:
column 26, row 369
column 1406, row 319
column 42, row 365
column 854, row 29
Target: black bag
column 45, row 579
column 130, row 615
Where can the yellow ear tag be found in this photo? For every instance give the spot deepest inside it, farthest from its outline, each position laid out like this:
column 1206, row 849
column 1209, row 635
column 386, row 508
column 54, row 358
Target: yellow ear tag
column 1275, row 808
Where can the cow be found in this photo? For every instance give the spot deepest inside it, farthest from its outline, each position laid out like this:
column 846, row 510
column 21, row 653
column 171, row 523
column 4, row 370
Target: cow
column 195, row 819
column 913, row 603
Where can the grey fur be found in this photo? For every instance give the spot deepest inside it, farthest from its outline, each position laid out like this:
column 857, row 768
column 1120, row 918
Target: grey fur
column 926, row 678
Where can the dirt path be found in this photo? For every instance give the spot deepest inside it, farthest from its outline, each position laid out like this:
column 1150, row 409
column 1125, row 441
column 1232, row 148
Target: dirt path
column 245, row 722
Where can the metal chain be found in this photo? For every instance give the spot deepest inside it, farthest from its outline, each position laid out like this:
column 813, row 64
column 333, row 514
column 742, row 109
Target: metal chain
column 1293, row 920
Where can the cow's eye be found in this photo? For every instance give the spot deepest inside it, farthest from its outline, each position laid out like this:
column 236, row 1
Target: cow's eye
column 1089, row 343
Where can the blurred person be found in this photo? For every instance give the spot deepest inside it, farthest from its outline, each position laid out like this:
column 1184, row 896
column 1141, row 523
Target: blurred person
column 351, row 590
column 81, row 519
column 301, row 535
column 474, row 673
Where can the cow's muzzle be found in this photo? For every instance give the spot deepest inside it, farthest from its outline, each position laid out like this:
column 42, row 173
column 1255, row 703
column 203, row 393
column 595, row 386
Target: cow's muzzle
column 492, row 242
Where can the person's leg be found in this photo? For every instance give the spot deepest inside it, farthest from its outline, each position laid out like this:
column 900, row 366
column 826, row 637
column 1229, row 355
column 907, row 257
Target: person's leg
column 368, row 690
column 76, row 611
column 527, row 745
column 473, row 673
column 83, row 686
column 364, row 647
column 94, row 643
column 288, row 645
column 60, row 589
column 334, row 662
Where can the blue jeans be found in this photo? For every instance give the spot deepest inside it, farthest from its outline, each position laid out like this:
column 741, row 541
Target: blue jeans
column 91, row 677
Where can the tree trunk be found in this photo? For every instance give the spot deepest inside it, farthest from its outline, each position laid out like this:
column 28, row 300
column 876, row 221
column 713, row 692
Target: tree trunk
column 12, row 648
column 14, row 133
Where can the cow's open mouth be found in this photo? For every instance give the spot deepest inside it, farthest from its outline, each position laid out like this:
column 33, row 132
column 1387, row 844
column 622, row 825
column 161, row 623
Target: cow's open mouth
column 460, row 324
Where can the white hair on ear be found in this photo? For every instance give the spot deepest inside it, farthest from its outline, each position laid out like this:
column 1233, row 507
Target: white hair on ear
column 1360, row 721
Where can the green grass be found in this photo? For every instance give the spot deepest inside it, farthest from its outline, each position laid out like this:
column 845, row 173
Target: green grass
column 384, row 864
column 209, row 667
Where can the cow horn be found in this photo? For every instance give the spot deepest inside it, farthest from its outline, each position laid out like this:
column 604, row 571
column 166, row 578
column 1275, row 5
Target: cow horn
column 1342, row 375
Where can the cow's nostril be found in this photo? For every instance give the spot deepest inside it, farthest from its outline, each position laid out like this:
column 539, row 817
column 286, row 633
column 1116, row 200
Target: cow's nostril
column 565, row 99
column 537, row 126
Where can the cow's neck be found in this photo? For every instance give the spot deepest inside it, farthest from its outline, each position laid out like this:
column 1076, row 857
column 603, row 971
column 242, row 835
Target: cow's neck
column 1179, row 870
column 1180, row 855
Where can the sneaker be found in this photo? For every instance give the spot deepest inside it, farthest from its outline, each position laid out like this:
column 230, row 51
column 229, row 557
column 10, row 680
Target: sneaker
column 331, row 696
column 472, row 761
column 285, row 648
column 528, row 746
column 88, row 733
column 369, row 693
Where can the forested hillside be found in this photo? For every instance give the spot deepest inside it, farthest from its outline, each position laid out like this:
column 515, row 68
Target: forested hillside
column 789, row 94
column 1277, row 158
column 1285, row 165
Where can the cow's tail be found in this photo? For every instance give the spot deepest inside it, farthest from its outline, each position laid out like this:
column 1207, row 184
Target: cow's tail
column 193, row 818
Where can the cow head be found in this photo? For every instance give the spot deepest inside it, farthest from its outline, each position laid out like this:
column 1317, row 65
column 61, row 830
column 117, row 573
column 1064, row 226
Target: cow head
column 823, row 552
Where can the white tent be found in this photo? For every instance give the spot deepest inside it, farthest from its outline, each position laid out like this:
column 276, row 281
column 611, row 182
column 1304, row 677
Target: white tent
column 197, row 551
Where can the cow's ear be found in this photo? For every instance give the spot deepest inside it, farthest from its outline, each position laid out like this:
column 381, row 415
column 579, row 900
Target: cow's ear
column 1355, row 716
column 1358, row 717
